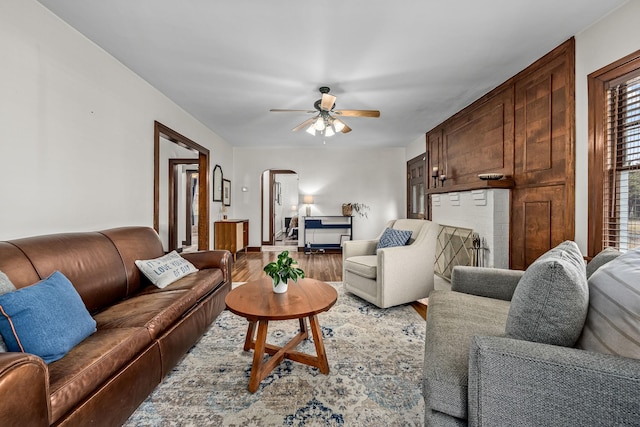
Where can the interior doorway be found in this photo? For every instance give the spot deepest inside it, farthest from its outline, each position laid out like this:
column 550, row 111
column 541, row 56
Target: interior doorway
column 183, row 205
column 416, row 185
column 280, row 202
column 169, row 144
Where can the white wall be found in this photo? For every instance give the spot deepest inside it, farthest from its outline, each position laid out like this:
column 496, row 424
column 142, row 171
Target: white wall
column 608, row 40
column 77, row 130
column 416, row 147
column 333, row 176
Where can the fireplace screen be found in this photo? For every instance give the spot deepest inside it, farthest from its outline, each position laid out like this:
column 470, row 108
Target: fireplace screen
column 455, row 246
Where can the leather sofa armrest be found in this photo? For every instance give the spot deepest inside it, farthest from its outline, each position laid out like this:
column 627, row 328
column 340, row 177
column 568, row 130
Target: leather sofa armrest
column 24, row 390
column 514, row 382
column 212, row 259
column 487, row 282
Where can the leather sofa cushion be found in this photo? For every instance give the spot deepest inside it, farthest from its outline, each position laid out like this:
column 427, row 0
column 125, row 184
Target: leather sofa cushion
column 89, row 260
column 17, row 266
column 363, row 265
column 154, row 311
column 91, row 363
column 134, row 243
column 453, row 318
column 201, row 282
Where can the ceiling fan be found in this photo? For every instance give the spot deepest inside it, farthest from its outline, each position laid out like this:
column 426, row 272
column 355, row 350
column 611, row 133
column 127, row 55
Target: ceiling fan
column 325, row 121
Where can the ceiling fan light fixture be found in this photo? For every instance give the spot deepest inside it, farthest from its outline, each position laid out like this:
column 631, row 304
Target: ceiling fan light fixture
column 311, row 130
column 319, row 124
column 328, row 131
column 324, row 121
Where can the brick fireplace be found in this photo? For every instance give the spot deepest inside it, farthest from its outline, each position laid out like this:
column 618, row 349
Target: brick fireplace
column 486, row 212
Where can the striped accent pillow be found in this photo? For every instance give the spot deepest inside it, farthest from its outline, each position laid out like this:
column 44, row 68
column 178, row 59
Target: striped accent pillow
column 613, row 319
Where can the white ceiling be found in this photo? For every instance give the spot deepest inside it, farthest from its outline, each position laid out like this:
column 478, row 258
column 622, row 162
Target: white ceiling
column 227, row 62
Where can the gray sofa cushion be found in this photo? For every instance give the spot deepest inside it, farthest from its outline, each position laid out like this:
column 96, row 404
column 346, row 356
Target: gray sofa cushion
column 606, row 255
column 613, row 319
column 453, row 318
column 550, row 302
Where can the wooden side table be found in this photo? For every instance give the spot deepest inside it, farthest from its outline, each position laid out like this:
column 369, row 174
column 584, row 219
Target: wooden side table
column 257, row 302
column 232, row 235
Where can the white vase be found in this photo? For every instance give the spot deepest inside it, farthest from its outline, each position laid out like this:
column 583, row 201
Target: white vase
column 281, row 287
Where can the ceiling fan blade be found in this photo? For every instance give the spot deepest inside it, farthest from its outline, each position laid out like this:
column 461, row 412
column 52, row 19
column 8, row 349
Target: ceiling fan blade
column 281, row 110
column 303, row 124
column 358, row 113
column 346, row 129
column 327, row 102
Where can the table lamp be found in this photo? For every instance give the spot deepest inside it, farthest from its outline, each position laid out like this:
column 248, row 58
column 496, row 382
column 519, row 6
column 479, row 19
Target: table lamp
column 308, row 200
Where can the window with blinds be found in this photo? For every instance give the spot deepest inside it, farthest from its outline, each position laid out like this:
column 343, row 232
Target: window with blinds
column 621, row 192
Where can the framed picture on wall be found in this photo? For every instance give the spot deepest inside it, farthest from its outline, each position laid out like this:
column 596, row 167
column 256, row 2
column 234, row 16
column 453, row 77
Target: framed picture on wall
column 226, row 192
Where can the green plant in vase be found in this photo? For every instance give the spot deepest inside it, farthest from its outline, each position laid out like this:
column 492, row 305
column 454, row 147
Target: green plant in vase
column 283, row 269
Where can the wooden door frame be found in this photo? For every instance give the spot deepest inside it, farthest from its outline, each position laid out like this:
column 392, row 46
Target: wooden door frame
column 173, row 205
column 421, row 158
column 163, row 131
column 272, row 172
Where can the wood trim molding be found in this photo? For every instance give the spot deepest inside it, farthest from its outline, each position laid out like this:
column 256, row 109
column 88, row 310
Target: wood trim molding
column 173, row 207
column 272, row 172
column 525, row 130
column 160, row 130
column 598, row 82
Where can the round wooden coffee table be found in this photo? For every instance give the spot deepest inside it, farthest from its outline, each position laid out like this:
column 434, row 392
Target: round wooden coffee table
column 257, row 302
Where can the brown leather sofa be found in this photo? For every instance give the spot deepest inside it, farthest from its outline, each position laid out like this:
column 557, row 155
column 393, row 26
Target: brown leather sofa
column 142, row 331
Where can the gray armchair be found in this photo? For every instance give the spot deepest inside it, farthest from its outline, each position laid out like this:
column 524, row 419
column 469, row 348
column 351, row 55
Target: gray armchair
column 393, row 275
column 474, row 375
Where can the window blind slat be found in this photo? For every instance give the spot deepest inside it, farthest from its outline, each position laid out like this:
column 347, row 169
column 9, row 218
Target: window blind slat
column 621, row 224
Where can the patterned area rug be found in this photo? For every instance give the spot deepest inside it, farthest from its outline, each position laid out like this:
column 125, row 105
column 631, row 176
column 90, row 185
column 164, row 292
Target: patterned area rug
column 375, row 356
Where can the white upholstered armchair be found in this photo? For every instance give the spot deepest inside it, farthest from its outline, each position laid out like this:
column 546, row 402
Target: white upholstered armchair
column 394, row 275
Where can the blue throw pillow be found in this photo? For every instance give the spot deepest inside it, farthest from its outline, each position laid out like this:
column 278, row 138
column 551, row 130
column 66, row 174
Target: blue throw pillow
column 392, row 237
column 46, row 319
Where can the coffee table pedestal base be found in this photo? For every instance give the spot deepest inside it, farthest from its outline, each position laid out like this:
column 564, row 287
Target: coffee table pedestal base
column 261, row 369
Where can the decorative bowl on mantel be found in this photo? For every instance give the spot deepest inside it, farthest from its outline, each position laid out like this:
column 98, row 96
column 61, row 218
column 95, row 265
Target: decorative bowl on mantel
column 490, row 176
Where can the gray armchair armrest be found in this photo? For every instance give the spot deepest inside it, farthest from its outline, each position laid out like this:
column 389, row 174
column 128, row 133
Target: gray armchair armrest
column 496, row 283
column 513, row 382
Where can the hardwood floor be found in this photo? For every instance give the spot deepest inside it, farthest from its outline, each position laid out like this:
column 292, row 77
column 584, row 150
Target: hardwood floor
column 325, row 267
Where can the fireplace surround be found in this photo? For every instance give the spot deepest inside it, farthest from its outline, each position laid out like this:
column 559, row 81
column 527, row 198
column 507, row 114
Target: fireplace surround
column 486, row 212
